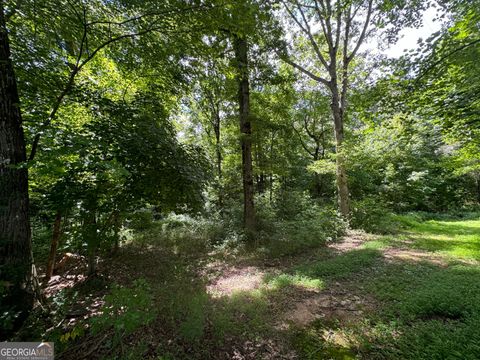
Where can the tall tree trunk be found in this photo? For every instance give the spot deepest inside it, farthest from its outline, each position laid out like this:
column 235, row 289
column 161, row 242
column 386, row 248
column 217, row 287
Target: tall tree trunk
column 241, row 55
column 218, row 152
column 16, row 261
column 54, row 245
column 92, row 241
column 260, row 178
column 341, row 174
column 216, row 129
column 116, row 230
column 317, row 178
column 272, row 139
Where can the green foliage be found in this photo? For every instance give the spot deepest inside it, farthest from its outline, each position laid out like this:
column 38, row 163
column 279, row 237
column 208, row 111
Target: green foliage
column 402, row 162
column 420, row 309
column 308, row 345
column 323, row 167
column 436, row 311
column 193, row 324
column 136, row 106
column 442, row 294
column 285, row 280
column 141, row 219
column 125, row 311
column 295, row 223
column 309, row 230
column 372, row 215
column 198, row 232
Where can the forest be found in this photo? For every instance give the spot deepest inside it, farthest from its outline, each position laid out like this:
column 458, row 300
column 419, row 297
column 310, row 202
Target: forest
column 240, row 179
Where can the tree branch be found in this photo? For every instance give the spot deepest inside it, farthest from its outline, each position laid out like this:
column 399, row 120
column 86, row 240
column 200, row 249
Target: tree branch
column 442, row 58
column 306, row 29
column 363, row 33
column 321, row 17
column 305, row 71
column 305, row 147
column 76, row 69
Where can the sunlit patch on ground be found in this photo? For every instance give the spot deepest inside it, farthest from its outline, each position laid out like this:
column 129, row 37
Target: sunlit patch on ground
column 367, row 297
column 413, row 256
column 58, row 283
column 353, row 240
column 236, row 279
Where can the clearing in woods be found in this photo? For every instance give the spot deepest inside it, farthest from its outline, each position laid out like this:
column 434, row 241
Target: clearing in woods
column 412, row 295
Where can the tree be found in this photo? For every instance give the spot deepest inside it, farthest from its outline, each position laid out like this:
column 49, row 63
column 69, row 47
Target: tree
column 209, row 104
column 15, row 238
column 313, row 129
column 55, row 42
column 440, row 81
column 240, row 45
column 70, row 36
column 334, row 32
column 342, row 36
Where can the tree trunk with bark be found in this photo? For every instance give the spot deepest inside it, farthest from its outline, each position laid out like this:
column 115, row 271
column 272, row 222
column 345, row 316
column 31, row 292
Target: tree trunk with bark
column 218, row 153
column 16, row 261
column 54, row 245
column 117, row 223
column 341, row 173
column 241, row 55
column 91, row 237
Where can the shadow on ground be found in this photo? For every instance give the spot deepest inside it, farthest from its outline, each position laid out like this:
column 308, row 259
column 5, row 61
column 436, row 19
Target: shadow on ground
column 331, row 305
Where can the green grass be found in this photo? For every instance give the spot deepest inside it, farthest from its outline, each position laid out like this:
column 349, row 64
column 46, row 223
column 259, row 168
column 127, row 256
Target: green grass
column 424, row 309
column 342, row 266
column 284, row 280
column 451, row 239
column 458, row 239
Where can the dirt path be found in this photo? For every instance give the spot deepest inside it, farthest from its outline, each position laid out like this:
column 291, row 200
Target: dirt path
column 304, row 305
column 336, row 303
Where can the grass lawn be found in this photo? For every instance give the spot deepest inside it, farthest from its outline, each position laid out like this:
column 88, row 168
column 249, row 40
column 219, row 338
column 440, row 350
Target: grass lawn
column 426, row 292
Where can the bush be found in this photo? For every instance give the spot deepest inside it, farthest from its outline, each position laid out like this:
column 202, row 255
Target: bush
column 372, row 215
column 185, row 233
column 312, row 227
column 141, row 219
column 287, row 226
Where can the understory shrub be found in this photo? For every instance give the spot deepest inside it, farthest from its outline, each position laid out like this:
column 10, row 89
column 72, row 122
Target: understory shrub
column 185, row 233
column 372, row 215
column 297, row 223
column 285, row 226
column 141, row 219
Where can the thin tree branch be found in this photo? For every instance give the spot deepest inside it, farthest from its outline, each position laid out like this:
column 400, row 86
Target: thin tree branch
column 309, row 133
column 79, row 65
column 305, row 147
column 13, row 10
column 306, row 29
column 329, row 26
column 345, row 62
column 439, row 61
column 338, row 30
column 305, row 71
column 321, row 17
column 363, row 33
